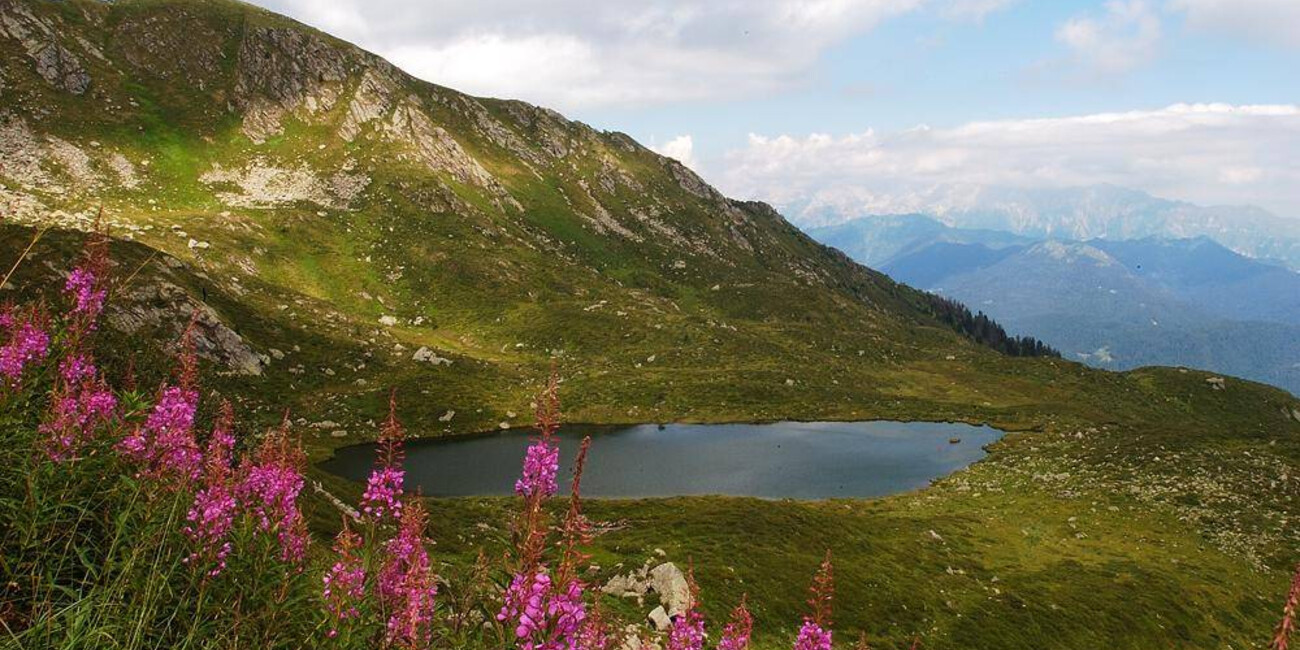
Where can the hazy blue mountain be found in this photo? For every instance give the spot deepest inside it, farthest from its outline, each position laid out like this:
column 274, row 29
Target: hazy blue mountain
column 876, row 241
column 1207, row 274
column 1092, row 212
column 1115, row 304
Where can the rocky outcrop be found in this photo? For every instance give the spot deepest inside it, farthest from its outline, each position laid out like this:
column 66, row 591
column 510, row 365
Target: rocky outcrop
column 691, row 182
column 439, row 151
column 160, row 307
column 58, row 65
column 283, row 70
column 371, row 101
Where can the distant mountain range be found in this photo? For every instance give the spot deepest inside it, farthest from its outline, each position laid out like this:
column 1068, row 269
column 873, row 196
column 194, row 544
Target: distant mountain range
column 1112, row 303
column 1082, row 214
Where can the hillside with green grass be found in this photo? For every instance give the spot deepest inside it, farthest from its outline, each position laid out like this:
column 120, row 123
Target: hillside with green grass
column 341, row 228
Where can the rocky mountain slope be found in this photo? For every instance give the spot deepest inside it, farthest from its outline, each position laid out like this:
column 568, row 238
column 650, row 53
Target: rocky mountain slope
column 451, row 245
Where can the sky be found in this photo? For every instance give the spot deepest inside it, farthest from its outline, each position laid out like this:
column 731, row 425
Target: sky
column 876, row 104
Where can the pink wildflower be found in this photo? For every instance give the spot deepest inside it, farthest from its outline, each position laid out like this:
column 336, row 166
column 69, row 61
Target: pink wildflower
column 687, row 632
column 87, row 287
column 403, row 550
column 544, row 617
column 270, row 488
column 87, row 293
column 815, row 633
column 542, row 460
column 384, row 487
column 76, row 367
column 345, row 582
column 541, row 465
column 165, row 444
column 211, row 518
column 735, row 636
column 28, row 343
column 80, row 403
column 594, row 634
column 813, row 637
column 383, row 493
column 406, row 583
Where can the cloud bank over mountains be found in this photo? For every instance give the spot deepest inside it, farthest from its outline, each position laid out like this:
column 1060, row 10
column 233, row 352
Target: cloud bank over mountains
column 1212, row 154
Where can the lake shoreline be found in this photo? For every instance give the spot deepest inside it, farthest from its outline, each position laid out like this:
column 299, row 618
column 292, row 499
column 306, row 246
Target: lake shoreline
column 813, row 460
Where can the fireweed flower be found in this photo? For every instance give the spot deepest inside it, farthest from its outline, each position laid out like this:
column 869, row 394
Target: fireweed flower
column 406, row 585
column 403, row 550
column 81, row 403
column 735, row 636
column 594, row 634
column 345, row 582
column 384, row 487
column 87, row 293
column 383, row 493
column 86, row 285
column 542, row 460
column 813, row 637
column 815, row 634
column 543, row 616
column 212, row 516
column 541, row 466
column 687, row 632
column 28, row 343
column 165, row 444
column 270, row 488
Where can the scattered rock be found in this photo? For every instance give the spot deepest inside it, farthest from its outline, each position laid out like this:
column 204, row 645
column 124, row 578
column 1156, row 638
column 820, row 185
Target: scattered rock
column 674, row 591
column 429, row 356
column 659, row 619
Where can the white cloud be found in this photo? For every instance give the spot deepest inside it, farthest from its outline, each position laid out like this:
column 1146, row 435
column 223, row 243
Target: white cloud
column 1277, row 21
column 577, row 53
column 1126, row 36
column 681, row 149
column 974, row 10
column 1205, row 153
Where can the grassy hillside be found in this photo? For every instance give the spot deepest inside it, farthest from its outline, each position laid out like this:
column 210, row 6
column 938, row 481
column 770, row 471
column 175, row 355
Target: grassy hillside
column 343, row 228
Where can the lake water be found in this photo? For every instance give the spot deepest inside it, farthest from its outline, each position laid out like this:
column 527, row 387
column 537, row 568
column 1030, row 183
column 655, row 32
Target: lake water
column 799, row 460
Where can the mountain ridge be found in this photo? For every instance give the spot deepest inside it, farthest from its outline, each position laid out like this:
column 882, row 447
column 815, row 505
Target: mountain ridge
column 1087, row 212
column 1115, row 304
column 330, row 190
